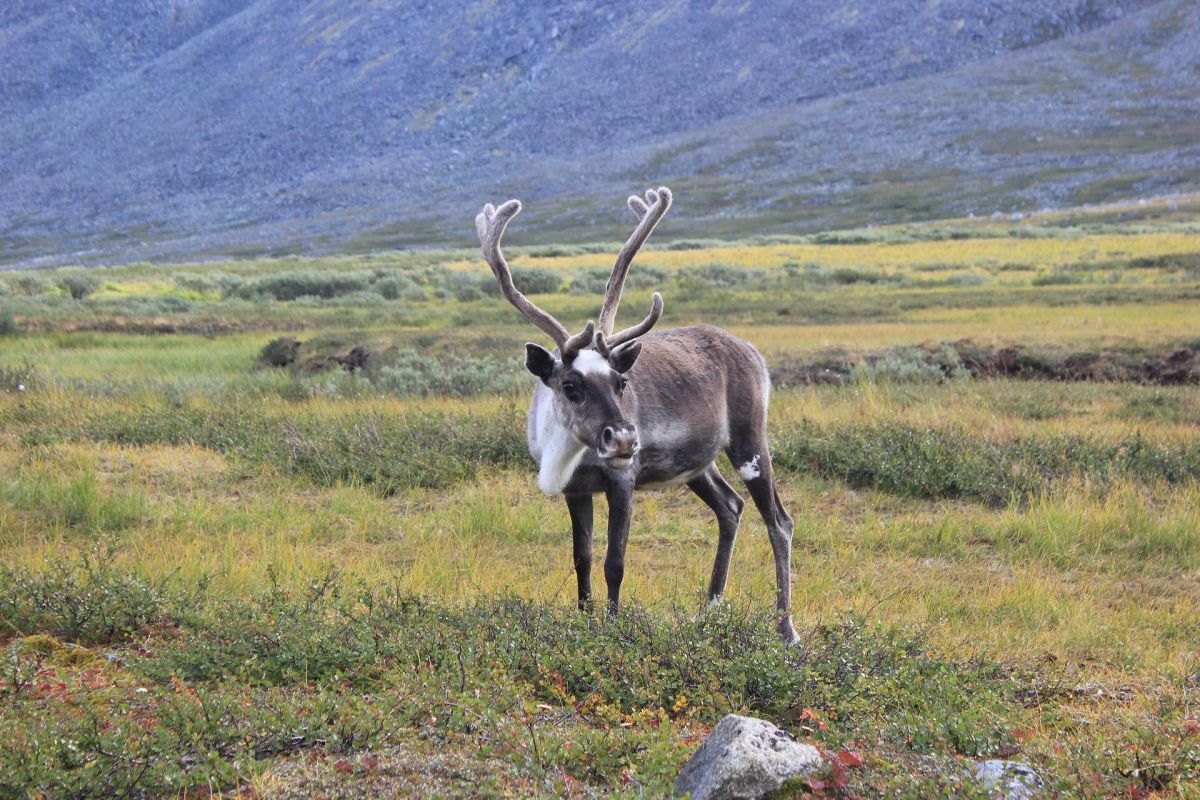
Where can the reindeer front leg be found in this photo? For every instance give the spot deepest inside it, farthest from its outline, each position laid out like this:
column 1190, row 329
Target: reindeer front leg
column 620, row 512
column 580, row 506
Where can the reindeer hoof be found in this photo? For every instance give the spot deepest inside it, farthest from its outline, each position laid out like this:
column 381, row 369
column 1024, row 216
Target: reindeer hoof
column 711, row 603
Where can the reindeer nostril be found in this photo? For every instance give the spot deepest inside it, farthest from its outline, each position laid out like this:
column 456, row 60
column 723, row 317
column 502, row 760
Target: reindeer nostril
column 607, row 436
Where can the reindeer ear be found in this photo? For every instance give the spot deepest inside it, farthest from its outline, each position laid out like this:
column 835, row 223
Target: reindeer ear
column 540, row 361
column 623, row 357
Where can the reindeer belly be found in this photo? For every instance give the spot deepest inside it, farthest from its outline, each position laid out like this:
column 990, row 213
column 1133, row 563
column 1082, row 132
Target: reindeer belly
column 669, row 469
column 651, row 469
column 677, row 456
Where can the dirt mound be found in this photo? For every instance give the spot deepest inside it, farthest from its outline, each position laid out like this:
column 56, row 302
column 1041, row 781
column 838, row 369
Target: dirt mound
column 1163, row 366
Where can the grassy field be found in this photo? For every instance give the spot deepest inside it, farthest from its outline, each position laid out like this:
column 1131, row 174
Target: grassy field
column 224, row 578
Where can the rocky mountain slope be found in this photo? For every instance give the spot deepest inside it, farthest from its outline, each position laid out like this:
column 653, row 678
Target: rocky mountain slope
column 147, row 129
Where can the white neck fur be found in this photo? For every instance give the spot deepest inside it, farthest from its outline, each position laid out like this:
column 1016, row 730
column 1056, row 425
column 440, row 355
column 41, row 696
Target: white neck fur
column 561, row 452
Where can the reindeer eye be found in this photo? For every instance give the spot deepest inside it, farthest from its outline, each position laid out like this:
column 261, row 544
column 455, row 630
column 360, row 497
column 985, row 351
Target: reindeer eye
column 622, row 382
column 572, row 391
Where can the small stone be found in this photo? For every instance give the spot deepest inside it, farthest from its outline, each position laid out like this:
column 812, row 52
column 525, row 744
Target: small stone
column 745, row 757
column 1010, row 780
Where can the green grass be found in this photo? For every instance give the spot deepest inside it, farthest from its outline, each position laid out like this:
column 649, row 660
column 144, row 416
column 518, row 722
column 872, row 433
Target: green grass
column 227, row 579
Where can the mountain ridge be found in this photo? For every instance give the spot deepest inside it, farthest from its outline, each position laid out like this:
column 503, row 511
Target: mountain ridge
column 271, row 130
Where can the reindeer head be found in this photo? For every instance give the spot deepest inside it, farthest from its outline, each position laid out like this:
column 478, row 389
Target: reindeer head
column 588, row 371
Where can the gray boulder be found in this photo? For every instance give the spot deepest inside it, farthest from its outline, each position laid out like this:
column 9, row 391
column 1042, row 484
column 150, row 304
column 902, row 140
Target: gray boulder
column 1010, row 780
column 745, row 757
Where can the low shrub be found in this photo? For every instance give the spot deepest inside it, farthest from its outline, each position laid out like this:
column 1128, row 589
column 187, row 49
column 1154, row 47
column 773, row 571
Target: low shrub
column 201, row 687
column 440, row 448
column 936, row 463
column 718, row 275
column 911, row 365
column 85, row 601
column 279, row 352
column 304, row 283
column 78, row 284
column 412, row 373
column 26, row 283
column 849, row 275
column 389, row 451
column 1056, row 278
column 594, row 280
column 558, row 251
column 530, row 280
column 462, row 286
column 693, row 244
column 399, row 287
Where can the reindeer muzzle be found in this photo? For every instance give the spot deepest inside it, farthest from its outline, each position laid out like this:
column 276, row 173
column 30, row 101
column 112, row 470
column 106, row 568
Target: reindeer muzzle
column 617, row 443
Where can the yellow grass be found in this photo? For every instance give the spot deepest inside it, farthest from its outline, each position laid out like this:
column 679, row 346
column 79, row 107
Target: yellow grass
column 1033, row 253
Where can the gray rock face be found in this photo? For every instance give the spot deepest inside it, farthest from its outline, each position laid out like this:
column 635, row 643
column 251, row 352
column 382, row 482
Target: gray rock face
column 745, row 757
column 1010, row 780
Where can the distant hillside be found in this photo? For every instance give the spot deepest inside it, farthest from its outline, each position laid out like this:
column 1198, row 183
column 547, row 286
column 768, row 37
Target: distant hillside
column 163, row 130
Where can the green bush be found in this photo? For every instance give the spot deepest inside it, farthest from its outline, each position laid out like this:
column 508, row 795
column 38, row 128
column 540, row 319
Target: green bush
column 693, row 244
column 463, row 286
column 279, row 352
column 1056, row 278
column 849, row 275
column 706, row 277
column 409, row 373
column 911, row 365
column 558, row 251
column 594, row 280
column 78, row 284
column 26, row 283
column 530, row 280
column 87, row 601
column 221, row 283
column 413, row 373
column 304, row 283
column 399, row 287
column 144, row 305
column 934, row 463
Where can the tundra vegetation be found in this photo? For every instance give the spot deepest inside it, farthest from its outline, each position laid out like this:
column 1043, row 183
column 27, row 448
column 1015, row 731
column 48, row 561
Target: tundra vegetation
column 269, row 528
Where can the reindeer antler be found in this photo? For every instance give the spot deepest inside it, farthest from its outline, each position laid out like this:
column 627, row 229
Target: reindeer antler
column 649, row 213
column 491, row 223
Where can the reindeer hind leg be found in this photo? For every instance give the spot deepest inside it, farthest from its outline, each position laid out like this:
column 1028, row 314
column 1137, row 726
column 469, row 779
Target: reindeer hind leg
column 752, row 459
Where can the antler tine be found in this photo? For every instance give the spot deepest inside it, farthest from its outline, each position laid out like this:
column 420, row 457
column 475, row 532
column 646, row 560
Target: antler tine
column 604, row 344
column 490, row 223
column 649, row 213
column 579, row 341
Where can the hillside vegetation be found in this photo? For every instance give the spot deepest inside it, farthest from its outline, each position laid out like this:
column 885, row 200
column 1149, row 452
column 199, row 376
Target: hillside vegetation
column 268, row 527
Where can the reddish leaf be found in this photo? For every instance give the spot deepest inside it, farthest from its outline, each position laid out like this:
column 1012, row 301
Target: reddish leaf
column 343, row 765
column 837, row 774
column 849, row 760
column 1023, row 734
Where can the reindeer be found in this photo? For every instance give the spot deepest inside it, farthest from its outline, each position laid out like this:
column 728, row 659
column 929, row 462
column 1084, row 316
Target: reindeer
column 616, row 412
